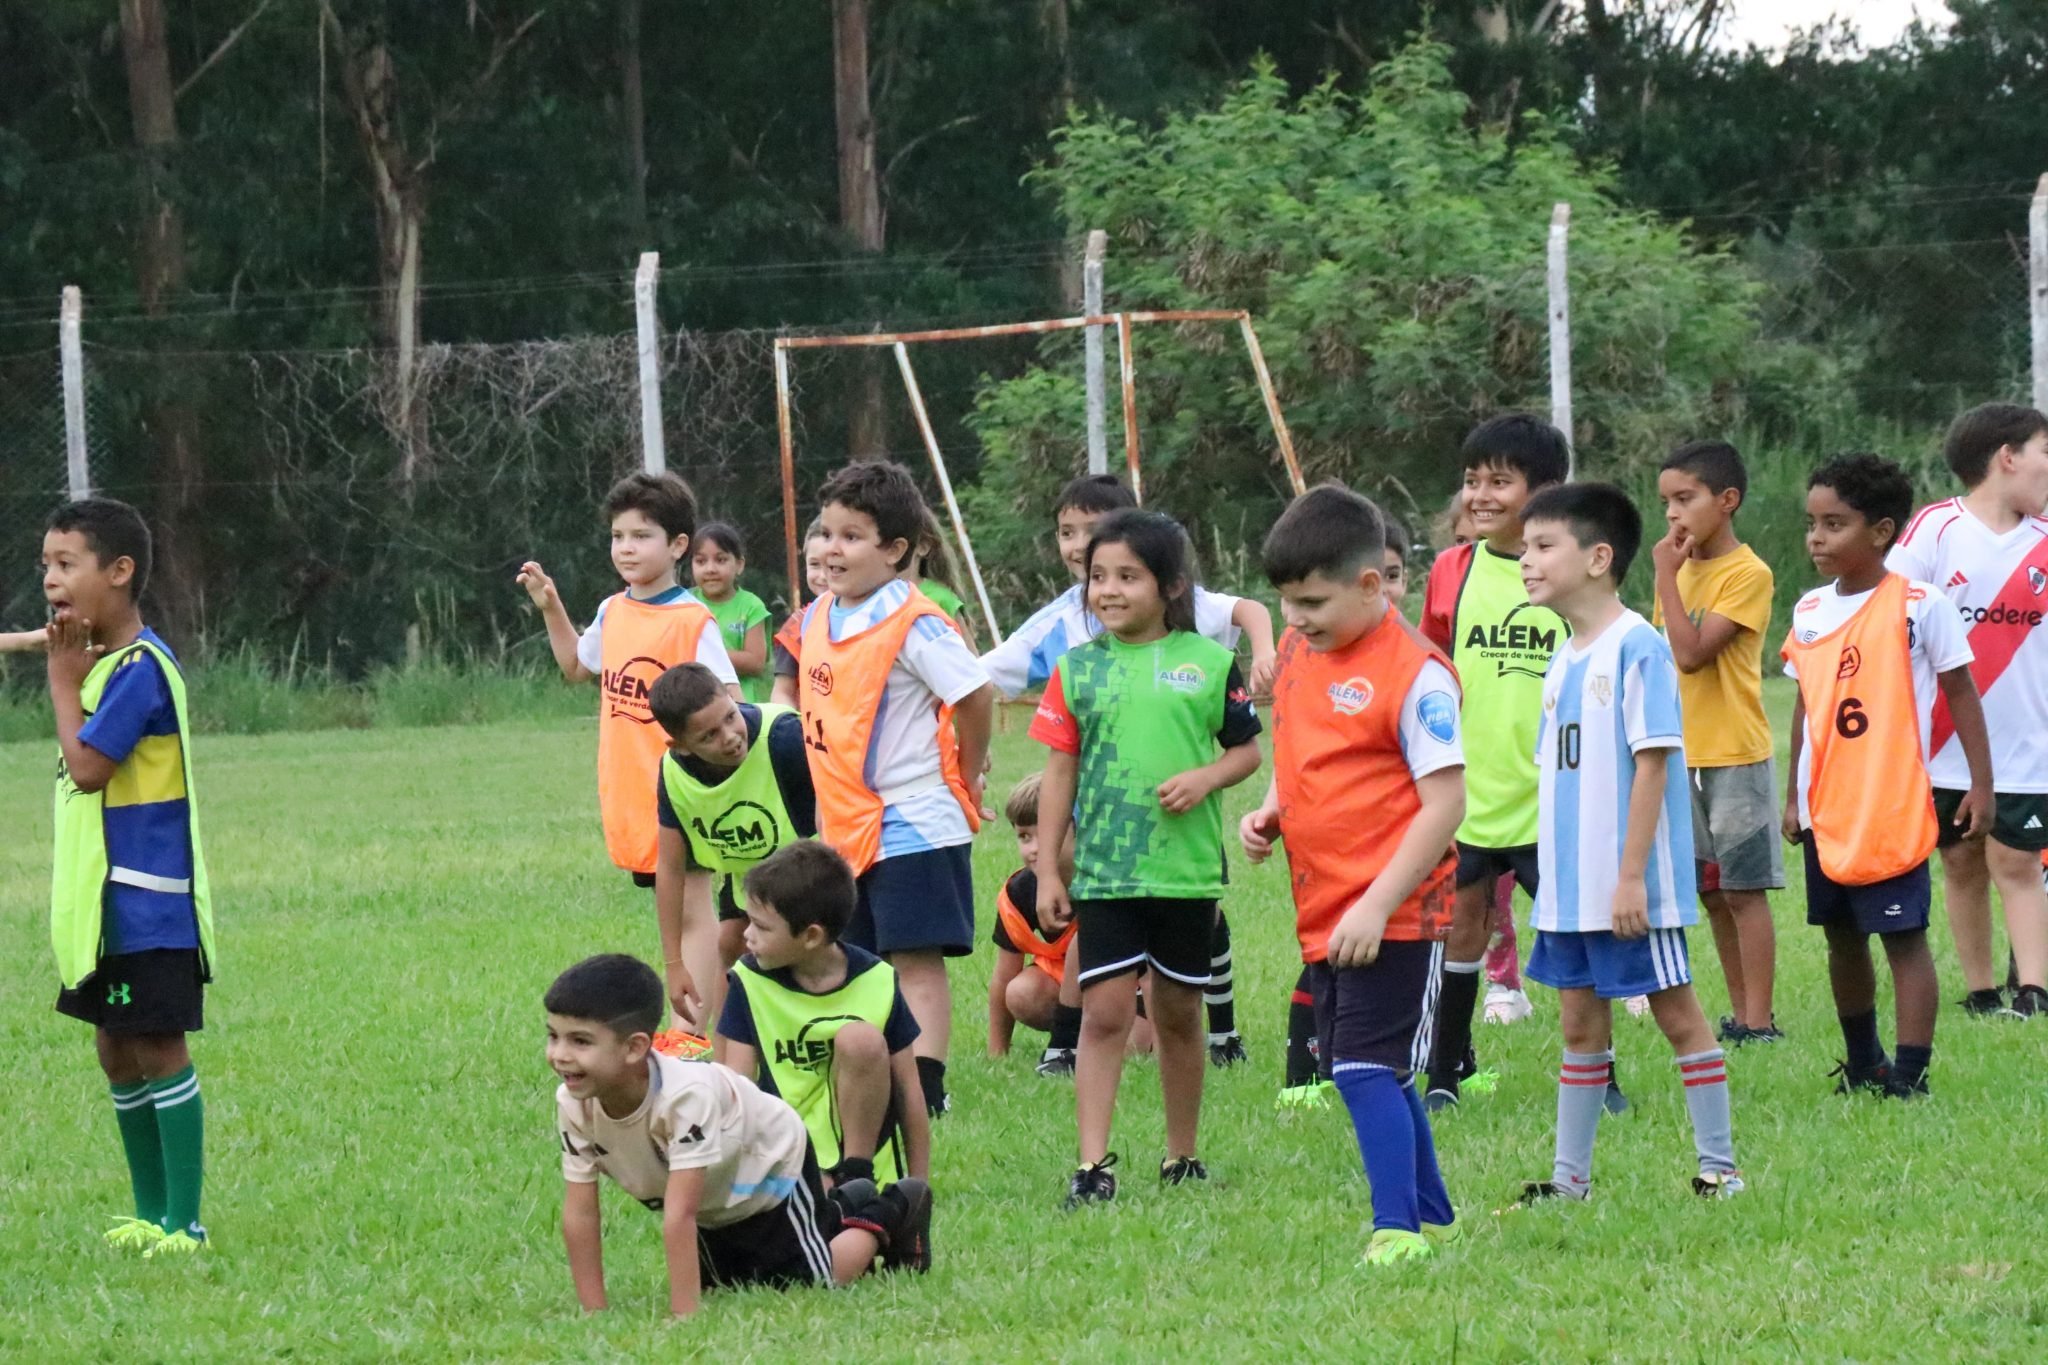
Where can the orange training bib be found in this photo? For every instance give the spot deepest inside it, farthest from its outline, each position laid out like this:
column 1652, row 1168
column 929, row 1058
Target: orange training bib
column 1020, row 924
column 641, row 642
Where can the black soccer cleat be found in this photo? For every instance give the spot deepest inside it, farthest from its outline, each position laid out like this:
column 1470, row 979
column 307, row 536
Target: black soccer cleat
column 2030, row 1002
column 910, row 1241
column 1227, row 1051
column 1056, row 1061
column 1875, row 1080
column 1985, row 1004
column 1897, row 1087
column 1182, row 1170
column 1093, row 1184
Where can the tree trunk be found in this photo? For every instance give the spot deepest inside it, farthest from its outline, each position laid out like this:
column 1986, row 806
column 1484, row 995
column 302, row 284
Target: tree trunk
column 860, row 202
column 633, row 114
column 169, row 418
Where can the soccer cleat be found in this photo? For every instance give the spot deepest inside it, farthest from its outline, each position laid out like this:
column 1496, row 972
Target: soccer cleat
column 1182, row 1170
column 1985, row 1004
column 1481, row 1082
column 853, row 1195
column 1443, row 1234
column 1897, row 1087
column 1745, row 1034
column 1505, row 1005
column 183, row 1242
column 1726, row 1027
column 1638, row 1005
column 1227, row 1050
column 1298, row 1098
column 1056, row 1061
column 1614, row 1102
column 133, row 1234
column 1876, row 1079
column 910, row 1246
column 2030, row 1002
column 1438, row 1098
column 1718, row 1184
column 1536, row 1192
column 1092, row 1184
column 1390, row 1246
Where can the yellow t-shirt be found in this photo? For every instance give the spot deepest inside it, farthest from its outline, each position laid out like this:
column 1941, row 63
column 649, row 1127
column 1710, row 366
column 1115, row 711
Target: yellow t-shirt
column 1723, row 703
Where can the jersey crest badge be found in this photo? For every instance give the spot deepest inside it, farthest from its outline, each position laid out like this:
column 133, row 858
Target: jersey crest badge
column 2037, row 580
column 1850, row 664
column 1602, row 688
column 1351, row 696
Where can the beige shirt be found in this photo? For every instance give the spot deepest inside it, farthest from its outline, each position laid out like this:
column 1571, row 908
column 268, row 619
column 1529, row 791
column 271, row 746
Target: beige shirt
column 697, row 1115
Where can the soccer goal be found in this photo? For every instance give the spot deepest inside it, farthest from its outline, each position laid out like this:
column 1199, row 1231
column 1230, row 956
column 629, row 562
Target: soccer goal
column 901, row 342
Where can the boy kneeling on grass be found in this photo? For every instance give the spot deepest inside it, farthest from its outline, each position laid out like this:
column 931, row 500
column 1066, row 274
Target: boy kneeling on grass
column 729, row 1168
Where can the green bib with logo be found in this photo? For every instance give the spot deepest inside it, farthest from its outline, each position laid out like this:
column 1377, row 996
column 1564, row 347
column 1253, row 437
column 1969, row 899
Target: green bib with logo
column 796, row 1032
column 79, row 873
column 740, row 821
column 1501, row 646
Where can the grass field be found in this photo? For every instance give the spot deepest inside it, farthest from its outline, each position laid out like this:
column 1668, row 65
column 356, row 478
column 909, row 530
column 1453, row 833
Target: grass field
column 384, row 1180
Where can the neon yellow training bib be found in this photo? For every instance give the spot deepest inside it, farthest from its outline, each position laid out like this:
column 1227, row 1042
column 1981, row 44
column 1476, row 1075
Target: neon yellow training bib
column 735, row 824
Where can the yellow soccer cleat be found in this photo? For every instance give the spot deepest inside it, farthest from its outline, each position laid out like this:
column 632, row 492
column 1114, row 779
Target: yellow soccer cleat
column 1441, row 1235
column 1390, row 1246
column 179, row 1243
column 133, row 1234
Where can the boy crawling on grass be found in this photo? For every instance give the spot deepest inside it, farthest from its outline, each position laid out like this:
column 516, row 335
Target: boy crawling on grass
column 729, row 1169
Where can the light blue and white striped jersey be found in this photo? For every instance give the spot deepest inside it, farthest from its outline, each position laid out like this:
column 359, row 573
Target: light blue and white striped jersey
column 1604, row 701
column 1025, row 659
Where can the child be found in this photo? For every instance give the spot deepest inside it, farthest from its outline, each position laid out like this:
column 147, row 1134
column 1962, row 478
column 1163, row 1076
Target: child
column 896, row 712
column 1988, row 551
column 1368, row 788
column 1030, row 958
column 1134, row 719
column 1870, row 651
column 1714, row 605
column 637, row 635
column 735, row 786
column 717, row 559
column 1026, row 660
column 131, row 916
column 729, row 1169
column 934, row 554
column 824, row 1025
column 1615, row 842
column 788, row 640
column 1475, row 610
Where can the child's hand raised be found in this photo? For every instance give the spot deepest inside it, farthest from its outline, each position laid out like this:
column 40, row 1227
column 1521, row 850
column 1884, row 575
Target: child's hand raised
column 1258, row 832
column 68, row 639
column 538, row 585
column 1182, row 792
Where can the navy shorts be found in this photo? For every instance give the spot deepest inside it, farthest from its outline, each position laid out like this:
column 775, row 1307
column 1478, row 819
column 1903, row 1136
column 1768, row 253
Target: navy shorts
column 917, row 902
column 156, row 991
column 1612, row 968
column 1128, row 935
column 1491, row 864
column 1896, row 905
column 1383, row 1014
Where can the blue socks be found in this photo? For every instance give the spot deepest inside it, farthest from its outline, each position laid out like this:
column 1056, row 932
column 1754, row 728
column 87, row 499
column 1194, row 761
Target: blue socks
column 1394, row 1139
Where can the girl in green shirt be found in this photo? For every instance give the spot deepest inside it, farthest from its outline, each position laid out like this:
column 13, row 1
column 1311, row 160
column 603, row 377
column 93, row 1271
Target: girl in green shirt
column 717, row 559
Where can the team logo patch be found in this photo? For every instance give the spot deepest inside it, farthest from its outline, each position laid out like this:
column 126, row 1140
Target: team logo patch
column 1806, row 604
column 744, row 829
column 1602, row 688
column 1439, row 716
column 2037, row 580
column 1351, row 696
column 821, row 680
column 1916, row 594
column 1186, row 678
column 1850, row 664
column 626, row 688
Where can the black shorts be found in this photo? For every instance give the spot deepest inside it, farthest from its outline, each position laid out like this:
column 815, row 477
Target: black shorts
column 790, row 1244
column 729, row 904
column 2021, row 820
column 1895, row 905
column 1128, row 935
column 158, row 990
column 1491, row 864
column 643, row 881
column 1382, row 1015
column 917, row 902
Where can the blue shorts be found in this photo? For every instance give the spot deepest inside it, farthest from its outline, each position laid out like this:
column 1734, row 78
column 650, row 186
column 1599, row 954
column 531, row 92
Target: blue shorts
column 1612, row 968
column 917, row 902
column 1896, row 905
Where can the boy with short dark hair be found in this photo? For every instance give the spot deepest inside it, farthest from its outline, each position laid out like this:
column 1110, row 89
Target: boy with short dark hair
column 1871, row 652
column 1987, row 551
column 131, row 915
column 1616, row 888
column 729, row 1168
column 822, row 1024
column 1714, row 606
column 735, row 786
column 1025, row 660
column 1476, row 611
column 897, row 714
column 638, row 633
column 1030, row 961
column 1367, row 790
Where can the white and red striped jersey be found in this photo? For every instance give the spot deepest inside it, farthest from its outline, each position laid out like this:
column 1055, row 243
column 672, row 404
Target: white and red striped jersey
column 1999, row 584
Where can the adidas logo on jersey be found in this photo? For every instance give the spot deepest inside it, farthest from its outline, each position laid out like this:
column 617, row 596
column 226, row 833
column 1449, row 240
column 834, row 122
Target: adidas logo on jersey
column 1956, row 580
column 2033, row 822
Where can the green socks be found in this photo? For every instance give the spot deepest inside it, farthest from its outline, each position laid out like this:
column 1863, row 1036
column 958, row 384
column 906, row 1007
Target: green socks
column 136, row 1114
column 181, row 1131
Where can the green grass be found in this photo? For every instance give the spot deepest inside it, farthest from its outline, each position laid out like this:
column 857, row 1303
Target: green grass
column 384, row 1180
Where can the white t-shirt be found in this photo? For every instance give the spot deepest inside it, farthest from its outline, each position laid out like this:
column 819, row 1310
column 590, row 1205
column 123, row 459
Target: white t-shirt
column 2000, row 599
column 919, row 812
column 1025, row 659
column 750, row 1145
column 1605, row 700
column 1934, row 643
column 710, row 645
